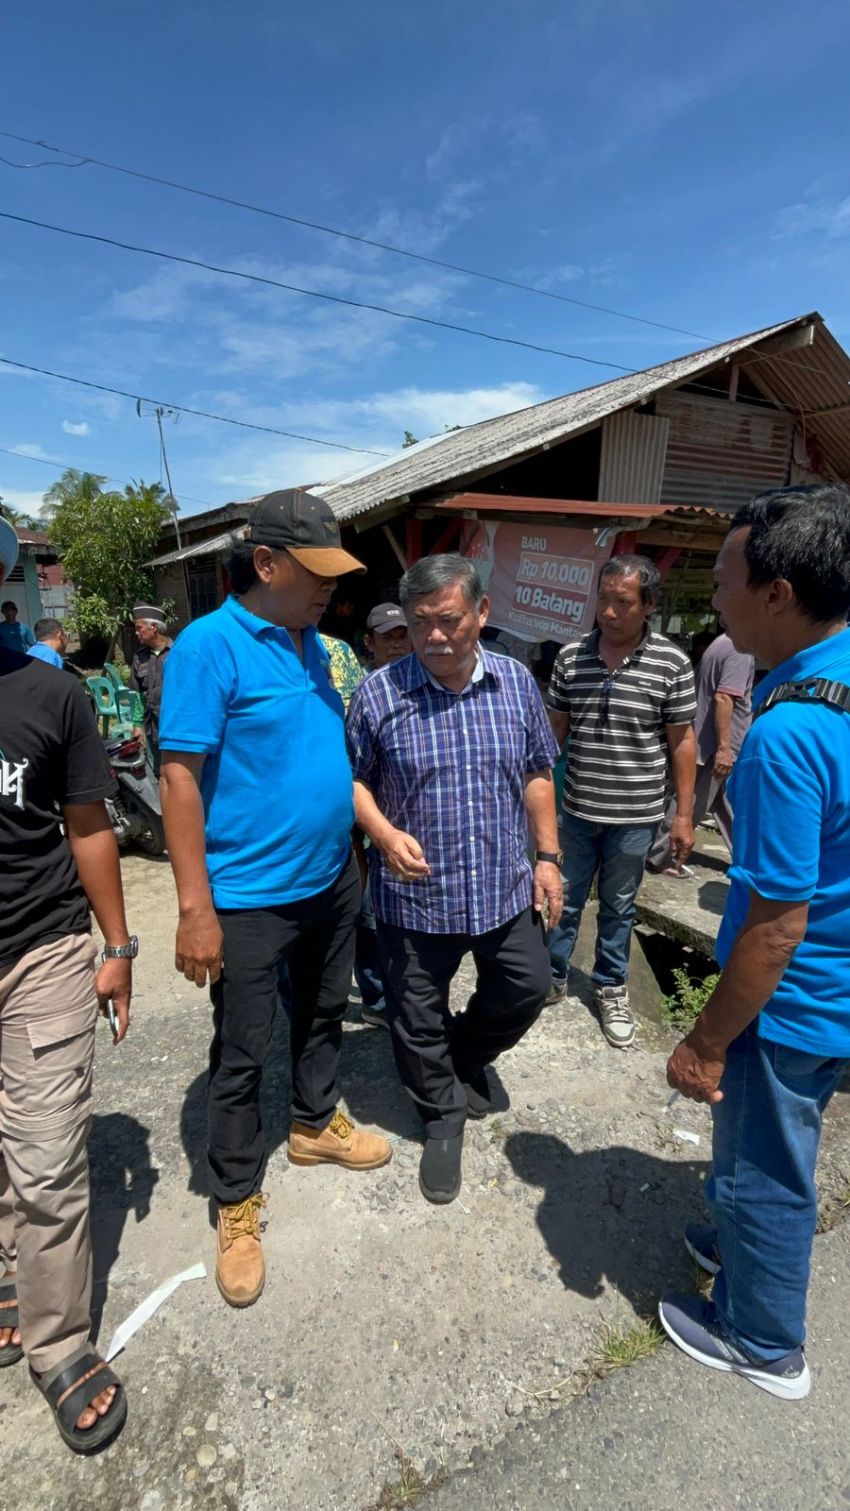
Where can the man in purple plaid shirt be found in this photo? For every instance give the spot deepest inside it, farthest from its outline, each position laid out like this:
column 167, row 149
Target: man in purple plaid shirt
column 452, row 754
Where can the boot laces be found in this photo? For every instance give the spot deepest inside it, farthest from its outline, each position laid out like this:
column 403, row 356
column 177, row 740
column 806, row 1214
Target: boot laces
column 341, row 1125
column 243, row 1219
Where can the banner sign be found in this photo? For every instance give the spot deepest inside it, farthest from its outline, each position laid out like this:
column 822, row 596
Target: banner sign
column 540, row 579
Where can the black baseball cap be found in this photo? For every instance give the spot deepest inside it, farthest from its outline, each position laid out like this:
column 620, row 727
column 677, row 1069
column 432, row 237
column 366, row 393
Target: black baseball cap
column 385, row 617
column 305, row 526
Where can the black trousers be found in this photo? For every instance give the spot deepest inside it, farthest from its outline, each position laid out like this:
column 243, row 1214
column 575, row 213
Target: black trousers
column 314, row 938
column 434, row 1050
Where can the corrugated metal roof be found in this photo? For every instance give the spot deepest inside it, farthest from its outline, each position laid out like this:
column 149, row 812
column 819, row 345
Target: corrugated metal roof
column 209, row 547
column 812, row 377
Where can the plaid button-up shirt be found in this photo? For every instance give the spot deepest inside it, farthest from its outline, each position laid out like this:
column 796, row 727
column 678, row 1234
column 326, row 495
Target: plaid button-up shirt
column 450, row 769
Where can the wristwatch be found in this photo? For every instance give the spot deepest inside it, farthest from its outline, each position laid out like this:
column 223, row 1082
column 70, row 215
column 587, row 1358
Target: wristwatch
column 555, row 856
column 121, row 951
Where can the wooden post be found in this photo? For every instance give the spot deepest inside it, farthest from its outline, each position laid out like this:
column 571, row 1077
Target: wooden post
column 414, row 539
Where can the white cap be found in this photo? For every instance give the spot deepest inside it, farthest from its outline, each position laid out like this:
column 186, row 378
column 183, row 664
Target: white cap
column 8, row 545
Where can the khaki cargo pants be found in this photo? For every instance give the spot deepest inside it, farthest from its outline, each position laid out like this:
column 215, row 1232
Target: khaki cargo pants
column 48, row 1013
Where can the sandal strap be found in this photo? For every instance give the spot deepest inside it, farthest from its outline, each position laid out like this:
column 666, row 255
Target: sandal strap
column 75, row 1385
column 9, row 1316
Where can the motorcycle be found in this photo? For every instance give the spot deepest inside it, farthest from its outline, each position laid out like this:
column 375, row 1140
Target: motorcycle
column 135, row 811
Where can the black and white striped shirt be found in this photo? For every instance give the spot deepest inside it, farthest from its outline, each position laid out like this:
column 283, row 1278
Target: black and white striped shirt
column 617, row 756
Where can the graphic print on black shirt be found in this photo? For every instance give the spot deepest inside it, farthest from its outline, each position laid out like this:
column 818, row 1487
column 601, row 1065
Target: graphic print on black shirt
column 51, row 755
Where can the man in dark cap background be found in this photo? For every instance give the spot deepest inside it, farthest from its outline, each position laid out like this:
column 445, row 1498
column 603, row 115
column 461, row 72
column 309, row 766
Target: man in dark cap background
column 147, row 670
column 386, row 638
column 258, row 805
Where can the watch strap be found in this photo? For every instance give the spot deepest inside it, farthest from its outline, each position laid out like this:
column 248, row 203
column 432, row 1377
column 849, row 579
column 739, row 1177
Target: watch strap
column 556, row 857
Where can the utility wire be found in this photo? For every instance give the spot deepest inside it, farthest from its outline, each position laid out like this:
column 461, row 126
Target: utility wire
column 293, row 288
column 312, row 225
column 42, row 461
column 124, row 393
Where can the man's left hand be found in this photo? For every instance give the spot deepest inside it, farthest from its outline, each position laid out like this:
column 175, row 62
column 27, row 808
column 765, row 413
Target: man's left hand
column 696, row 1072
column 548, row 887
column 681, row 840
column 115, row 980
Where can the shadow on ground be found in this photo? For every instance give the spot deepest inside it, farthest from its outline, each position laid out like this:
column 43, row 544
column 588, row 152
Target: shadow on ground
column 368, row 1080
column 122, row 1181
column 611, row 1215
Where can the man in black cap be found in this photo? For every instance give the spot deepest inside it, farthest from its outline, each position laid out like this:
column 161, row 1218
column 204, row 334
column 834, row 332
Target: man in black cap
column 258, row 806
column 386, row 636
column 147, row 670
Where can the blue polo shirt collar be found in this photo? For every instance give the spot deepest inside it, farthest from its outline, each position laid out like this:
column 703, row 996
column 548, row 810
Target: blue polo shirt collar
column 257, row 626
column 804, row 664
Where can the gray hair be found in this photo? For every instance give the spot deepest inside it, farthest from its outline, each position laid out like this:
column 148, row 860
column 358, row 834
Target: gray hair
column 433, row 573
column 646, row 572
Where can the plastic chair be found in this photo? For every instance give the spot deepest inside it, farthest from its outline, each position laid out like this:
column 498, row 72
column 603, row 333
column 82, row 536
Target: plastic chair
column 107, row 706
column 111, row 671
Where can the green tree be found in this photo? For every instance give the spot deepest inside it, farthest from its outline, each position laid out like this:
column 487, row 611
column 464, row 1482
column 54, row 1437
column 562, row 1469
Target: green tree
column 104, row 540
column 410, row 439
column 18, row 517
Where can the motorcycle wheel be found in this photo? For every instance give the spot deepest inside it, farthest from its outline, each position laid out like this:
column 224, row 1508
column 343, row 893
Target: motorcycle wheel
column 152, row 840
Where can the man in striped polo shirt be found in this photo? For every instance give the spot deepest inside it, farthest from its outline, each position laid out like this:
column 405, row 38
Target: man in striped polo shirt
column 625, row 696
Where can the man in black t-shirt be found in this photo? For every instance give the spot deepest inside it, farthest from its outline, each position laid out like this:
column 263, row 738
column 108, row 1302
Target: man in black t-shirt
column 53, row 768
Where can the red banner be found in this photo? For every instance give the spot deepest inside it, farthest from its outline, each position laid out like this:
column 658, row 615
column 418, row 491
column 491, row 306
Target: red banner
column 540, row 579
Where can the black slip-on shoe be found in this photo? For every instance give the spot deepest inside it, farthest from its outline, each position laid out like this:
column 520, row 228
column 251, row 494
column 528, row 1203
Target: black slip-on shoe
column 439, row 1169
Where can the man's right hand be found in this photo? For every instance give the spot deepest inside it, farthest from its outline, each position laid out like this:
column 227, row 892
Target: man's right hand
column 403, row 855
column 198, row 950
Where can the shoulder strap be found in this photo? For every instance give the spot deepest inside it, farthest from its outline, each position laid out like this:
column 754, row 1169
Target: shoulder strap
column 813, row 690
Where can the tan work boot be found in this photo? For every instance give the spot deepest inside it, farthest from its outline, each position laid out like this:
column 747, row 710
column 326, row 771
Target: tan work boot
column 338, row 1144
column 240, row 1272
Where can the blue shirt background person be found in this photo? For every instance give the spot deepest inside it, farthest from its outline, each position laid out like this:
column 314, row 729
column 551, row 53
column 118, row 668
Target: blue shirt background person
column 41, row 651
column 14, row 635
column 276, row 784
column 790, row 794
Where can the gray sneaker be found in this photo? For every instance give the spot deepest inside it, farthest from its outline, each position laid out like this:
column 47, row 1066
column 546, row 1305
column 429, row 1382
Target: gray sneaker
column 612, row 1005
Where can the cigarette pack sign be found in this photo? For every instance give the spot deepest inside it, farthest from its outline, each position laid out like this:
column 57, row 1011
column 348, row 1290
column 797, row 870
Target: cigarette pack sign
column 540, row 579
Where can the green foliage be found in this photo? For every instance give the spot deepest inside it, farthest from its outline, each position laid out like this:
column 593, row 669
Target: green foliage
column 103, row 540
column 410, row 439
column 685, row 1004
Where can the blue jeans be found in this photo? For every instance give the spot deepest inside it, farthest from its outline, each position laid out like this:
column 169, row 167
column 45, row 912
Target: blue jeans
column 619, row 851
column 761, row 1193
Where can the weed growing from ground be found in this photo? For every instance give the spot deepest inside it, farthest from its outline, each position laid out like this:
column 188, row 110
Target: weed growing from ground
column 684, row 1005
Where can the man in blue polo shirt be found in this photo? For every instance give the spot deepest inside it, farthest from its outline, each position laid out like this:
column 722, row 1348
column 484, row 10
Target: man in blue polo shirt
column 773, row 1041
column 258, row 809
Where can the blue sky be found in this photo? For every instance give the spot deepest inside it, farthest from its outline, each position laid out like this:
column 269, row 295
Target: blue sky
column 685, row 163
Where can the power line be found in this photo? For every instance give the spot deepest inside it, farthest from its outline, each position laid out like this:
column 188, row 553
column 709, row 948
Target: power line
column 43, row 461
column 124, row 393
column 312, row 225
column 293, row 288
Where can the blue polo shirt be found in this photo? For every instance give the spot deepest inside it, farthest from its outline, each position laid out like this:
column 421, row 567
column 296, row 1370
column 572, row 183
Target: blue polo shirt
column 43, row 652
column 790, row 794
column 276, row 783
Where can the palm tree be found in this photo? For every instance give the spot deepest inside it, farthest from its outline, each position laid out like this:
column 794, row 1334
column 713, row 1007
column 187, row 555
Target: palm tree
column 18, row 517
column 73, row 487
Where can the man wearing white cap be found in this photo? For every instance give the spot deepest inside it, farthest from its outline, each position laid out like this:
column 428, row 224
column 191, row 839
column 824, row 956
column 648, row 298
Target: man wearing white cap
column 148, row 669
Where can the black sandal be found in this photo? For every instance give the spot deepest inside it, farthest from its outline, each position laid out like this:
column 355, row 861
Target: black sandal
column 9, row 1317
column 70, row 1387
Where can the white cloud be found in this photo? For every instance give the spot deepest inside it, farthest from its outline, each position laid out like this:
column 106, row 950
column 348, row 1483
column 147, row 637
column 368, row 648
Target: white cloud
column 71, row 428
column 23, row 499
column 28, row 448
column 379, row 420
column 827, row 217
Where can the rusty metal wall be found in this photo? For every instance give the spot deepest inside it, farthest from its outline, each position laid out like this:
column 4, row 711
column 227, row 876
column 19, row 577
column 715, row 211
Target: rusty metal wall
column 632, row 462
column 720, row 454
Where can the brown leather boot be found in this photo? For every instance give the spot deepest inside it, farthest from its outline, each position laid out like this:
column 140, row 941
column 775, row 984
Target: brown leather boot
column 338, row 1144
column 240, row 1272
